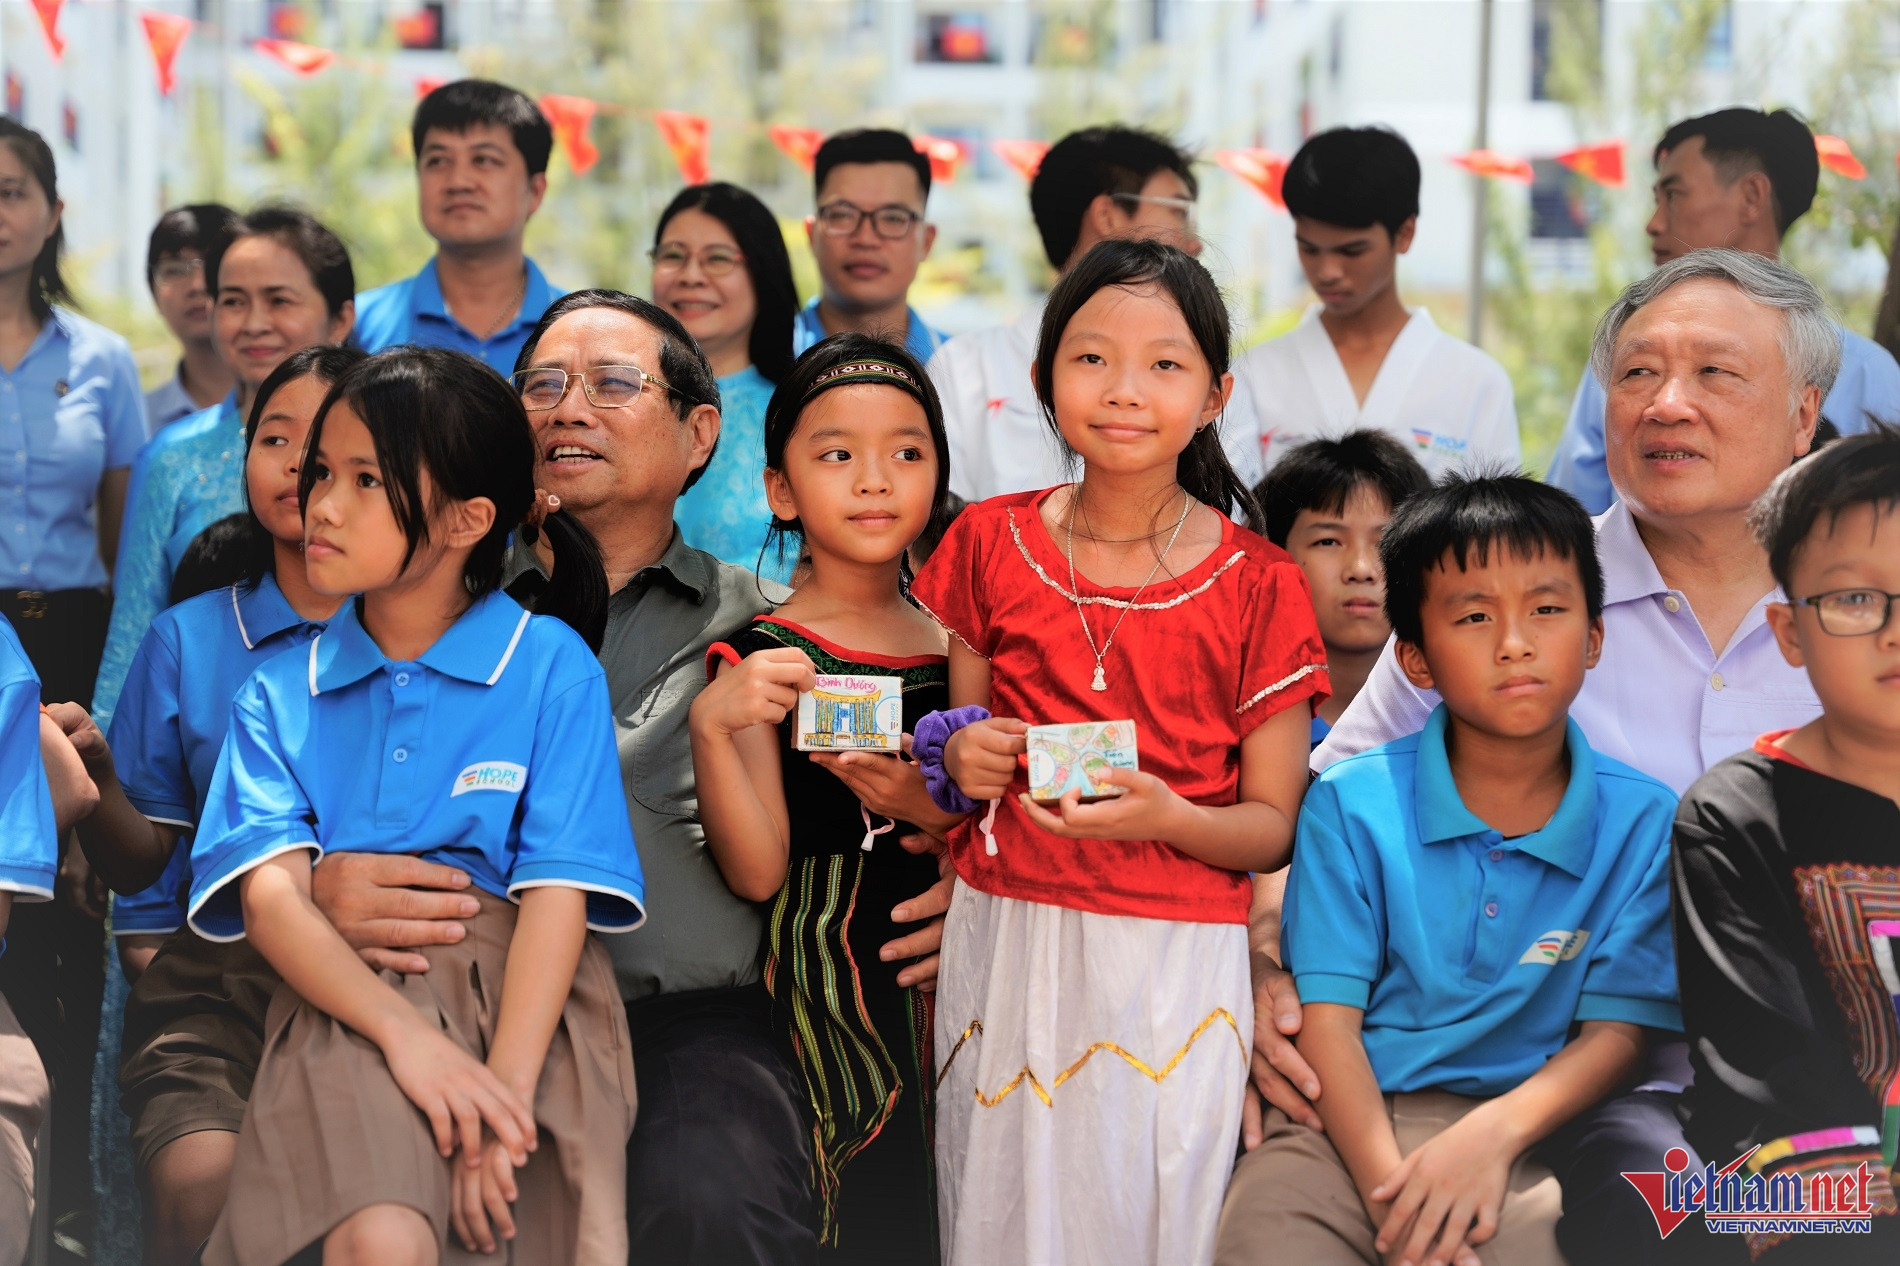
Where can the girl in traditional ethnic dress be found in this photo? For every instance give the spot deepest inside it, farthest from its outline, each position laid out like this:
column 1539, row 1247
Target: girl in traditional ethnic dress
column 492, row 1096
column 856, row 463
column 1094, row 1010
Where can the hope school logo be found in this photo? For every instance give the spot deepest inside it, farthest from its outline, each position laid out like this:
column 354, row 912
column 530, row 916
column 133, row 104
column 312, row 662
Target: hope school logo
column 1837, row 1202
column 1556, row 946
column 493, row 775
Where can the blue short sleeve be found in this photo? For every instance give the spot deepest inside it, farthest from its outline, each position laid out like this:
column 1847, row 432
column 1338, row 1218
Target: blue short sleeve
column 1631, row 975
column 29, row 850
column 1578, row 465
column 124, row 409
column 1332, row 931
column 255, row 810
column 148, row 745
column 574, row 830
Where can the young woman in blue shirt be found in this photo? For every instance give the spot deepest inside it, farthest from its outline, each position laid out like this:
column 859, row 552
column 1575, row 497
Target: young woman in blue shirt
column 432, row 717
column 720, row 266
column 195, row 1017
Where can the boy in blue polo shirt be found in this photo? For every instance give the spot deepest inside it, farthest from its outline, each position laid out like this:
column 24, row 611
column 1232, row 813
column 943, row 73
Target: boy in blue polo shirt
column 1477, row 915
column 28, row 858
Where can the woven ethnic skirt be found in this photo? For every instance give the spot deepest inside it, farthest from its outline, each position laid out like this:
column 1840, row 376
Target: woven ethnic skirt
column 328, row 1132
column 1090, row 1075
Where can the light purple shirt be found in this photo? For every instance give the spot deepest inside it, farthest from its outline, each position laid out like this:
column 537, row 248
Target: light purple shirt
column 1660, row 699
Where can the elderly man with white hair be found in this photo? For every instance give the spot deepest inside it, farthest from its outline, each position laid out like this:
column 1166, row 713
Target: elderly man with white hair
column 1714, row 367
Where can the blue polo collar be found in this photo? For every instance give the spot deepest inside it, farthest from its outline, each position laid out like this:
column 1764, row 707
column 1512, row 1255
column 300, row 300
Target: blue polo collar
column 1565, row 842
column 425, row 299
column 263, row 612
column 475, row 649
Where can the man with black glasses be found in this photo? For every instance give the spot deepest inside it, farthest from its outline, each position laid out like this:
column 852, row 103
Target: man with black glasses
column 869, row 236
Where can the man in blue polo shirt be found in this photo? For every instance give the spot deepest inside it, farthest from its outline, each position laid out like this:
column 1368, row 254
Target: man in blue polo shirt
column 1462, row 900
column 481, row 171
column 869, row 237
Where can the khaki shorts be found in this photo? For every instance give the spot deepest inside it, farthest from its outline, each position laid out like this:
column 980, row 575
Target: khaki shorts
column 194, row 1029
column 1291, row 1199
column 24, row 1095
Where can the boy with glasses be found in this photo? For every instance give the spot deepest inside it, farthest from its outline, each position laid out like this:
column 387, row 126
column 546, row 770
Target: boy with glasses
column 1787, row 892
column 1093, row 185
column 869, row 237
column 1361, row 358
column 481, row 172
column 175, row 270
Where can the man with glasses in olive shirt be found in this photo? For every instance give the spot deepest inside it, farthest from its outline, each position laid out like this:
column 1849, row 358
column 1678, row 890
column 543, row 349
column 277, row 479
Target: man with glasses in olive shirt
column 869, row 237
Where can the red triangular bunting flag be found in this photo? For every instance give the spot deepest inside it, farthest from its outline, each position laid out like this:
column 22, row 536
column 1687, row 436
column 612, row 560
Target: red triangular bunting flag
column 1488, row 162
column 427, row 85
column 944, row 155
column 48, row 11
column 1602, row 162
column 572, row 118
column 1838, row 157
column 305, row 59
column 800, row 144
column 1261, row 168
column 165, row 34
column 689, row 138
column 1024, row 156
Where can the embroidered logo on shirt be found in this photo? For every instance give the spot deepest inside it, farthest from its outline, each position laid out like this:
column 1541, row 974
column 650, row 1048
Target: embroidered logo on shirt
column 1554, row 947
column 493, row 775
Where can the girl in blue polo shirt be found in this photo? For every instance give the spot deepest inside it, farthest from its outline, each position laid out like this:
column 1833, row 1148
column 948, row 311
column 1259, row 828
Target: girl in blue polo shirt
column 436, row 718
column 194, row 1021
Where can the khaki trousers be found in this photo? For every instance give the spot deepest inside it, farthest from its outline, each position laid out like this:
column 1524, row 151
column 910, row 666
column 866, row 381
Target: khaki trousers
column 1291, row 1200
column 24, row 1094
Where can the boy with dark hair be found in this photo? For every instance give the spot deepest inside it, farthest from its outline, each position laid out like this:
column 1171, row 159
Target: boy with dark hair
column 1737, row 178
column 175, row 270
column 1327, row 503
column 1360, row 358
column 1787, row 901
column 1476, row 914
column 1093, row 185
column 481, row 171
column 869, row 237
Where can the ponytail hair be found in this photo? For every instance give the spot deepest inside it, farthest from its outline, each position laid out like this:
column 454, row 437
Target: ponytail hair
column 1202, row 468
column 428, row 408
column 48, row 285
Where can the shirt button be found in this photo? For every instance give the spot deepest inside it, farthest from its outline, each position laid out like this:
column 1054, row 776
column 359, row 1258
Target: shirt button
column 1490, row 909
column 1716, row 681
column 402, row 679
column 1497, row 854
column 401, row 754
column 1672, row 603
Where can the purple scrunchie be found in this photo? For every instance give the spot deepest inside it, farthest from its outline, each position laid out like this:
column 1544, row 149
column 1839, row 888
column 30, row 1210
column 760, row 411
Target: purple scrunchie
column 926, row 748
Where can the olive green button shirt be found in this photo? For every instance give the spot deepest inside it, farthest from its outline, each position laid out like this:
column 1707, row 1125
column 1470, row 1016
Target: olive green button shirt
column 697, row 935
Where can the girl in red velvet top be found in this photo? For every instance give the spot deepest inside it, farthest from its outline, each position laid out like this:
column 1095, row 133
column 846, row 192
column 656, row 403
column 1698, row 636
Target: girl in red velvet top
column 1094, row 1009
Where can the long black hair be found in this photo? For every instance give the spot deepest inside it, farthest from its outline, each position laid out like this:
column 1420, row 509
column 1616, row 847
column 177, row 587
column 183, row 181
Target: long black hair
column 1202, row 469
column 755, row 230
column 238, row 549
column 427, row 408
column 832, row 359
column 48, row 285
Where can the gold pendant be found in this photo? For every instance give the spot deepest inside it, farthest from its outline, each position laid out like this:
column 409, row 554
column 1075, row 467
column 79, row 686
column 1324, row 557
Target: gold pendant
column 1101, row 681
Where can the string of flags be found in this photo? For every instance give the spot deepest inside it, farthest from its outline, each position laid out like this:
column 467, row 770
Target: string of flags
column 688, row 137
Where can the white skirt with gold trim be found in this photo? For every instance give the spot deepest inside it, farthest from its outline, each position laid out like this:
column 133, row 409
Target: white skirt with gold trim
column 1090, row 1074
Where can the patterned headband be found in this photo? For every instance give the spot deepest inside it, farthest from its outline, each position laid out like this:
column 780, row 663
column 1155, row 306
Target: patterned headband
column 864, row 371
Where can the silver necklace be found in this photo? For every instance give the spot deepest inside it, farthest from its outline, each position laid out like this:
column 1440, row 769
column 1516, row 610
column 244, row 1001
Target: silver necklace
column 507, row 313
column 1100, row 680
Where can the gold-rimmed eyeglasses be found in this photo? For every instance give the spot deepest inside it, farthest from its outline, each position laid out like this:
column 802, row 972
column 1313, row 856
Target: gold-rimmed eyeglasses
column 607, row 386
